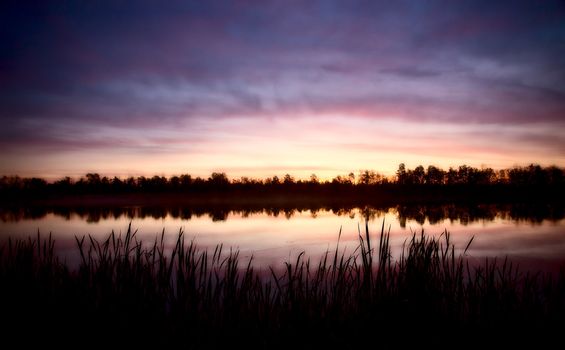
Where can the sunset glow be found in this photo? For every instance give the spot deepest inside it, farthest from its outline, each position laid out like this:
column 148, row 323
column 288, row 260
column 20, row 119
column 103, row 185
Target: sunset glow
column 268, row 88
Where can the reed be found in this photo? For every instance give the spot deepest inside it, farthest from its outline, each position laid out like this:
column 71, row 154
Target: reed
column 140, row 294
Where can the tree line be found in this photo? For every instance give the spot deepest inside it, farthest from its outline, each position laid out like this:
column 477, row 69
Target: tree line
column 432, row 176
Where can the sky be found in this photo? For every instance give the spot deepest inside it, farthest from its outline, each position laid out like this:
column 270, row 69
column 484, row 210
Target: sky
column 263, row 88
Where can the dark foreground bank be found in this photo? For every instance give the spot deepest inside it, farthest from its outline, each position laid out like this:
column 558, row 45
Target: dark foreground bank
column 129, row 294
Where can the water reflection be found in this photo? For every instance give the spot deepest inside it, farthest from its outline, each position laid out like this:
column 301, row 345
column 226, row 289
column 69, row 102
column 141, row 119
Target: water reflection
column 434, row 214
column 533, row 234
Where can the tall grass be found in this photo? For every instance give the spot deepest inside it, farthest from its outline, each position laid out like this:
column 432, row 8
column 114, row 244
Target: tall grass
column 142, row 294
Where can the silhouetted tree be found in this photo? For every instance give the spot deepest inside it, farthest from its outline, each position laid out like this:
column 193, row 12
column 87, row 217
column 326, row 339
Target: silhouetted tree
column 174, row 182
column 185, row 181
column 419, row 175
column 288, row 180
column 434, row 176
column 117, row 184
column 93, row 179
column 401, row 174
column 131, row 183
column 218, row 180
column 343, row 180
column 35, row 184
column 451, row 177
column 369, row 177
column 64, row 185
column 462, row 174
column 485, row 176
column 555, row 176
column 275, row 180
column 314, row 179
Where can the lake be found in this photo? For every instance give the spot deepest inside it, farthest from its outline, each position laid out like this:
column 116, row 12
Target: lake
column 531, row 236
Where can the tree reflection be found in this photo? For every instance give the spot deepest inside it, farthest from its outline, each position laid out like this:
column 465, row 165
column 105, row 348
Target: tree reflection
column 464, row 214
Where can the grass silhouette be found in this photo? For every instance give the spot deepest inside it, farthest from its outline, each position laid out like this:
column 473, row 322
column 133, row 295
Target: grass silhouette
column 126, row 292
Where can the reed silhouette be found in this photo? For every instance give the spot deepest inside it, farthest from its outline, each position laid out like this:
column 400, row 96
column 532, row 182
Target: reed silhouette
column 128, row 293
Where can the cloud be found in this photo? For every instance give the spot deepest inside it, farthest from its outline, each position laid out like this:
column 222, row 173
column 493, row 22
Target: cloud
column 142, row 68
column 411, row 72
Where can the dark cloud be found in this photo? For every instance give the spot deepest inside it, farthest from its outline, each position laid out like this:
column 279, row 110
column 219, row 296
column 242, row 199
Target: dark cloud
column 154, row 64
column 411, row 72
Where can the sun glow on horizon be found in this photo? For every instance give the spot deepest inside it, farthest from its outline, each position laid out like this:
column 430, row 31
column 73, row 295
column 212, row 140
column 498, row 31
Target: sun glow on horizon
column 325, row 145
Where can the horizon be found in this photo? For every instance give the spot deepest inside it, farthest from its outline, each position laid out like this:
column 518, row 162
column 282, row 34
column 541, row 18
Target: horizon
column 271, row 88
column 280, row 176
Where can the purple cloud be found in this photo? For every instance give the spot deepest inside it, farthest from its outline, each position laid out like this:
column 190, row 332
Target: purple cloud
column 147, row 68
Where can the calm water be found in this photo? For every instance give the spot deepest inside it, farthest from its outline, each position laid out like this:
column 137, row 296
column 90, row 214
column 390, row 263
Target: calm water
column 275, row 236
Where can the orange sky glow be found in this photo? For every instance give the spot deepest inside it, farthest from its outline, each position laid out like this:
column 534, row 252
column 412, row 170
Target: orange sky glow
column 327, row 146
column 267, row 88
